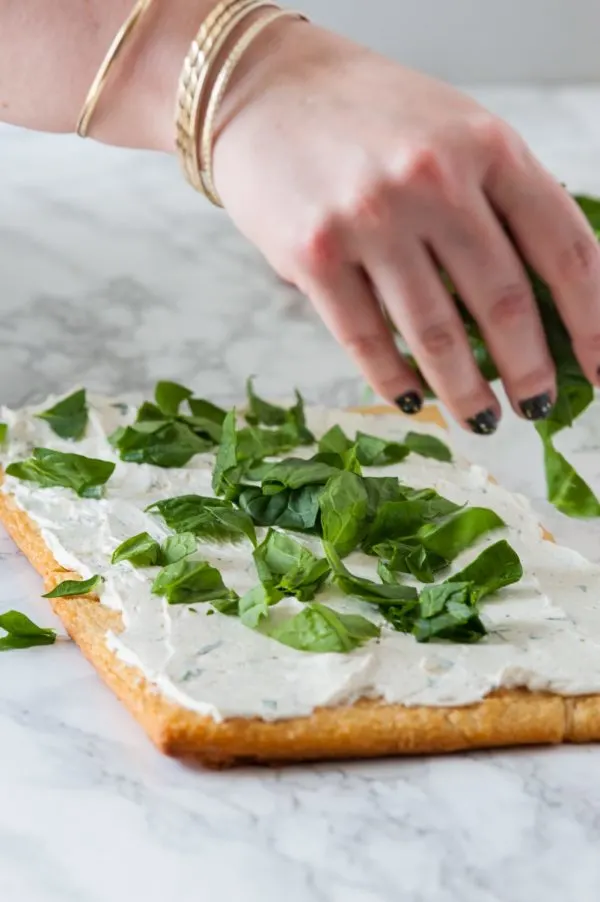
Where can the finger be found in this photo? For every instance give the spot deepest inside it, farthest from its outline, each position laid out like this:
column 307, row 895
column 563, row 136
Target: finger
column 494, row 286
column 426, row 316
column 350, row 310
column 556, row 239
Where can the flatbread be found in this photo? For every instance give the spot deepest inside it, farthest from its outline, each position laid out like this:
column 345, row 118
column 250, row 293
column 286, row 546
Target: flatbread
column 365, row 729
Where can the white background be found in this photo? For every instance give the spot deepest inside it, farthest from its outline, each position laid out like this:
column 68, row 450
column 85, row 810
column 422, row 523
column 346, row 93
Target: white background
column 476, row 40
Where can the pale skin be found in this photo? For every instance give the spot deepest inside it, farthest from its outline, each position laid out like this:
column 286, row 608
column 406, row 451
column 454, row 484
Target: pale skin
column 357, row 179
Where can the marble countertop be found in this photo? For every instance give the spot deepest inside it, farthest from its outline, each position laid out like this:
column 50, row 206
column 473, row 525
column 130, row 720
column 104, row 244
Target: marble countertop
column 114, row 274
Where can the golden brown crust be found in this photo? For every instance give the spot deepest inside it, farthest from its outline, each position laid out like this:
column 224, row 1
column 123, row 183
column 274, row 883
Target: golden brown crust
column 367, row 729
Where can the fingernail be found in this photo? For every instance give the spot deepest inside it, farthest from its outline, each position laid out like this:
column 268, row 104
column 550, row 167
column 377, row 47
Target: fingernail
column 409, row 402
column 485, row 423
column 536, row 408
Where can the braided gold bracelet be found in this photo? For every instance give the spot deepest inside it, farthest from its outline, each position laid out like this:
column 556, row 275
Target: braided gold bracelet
column 204, row 50
column 114, row 51
column 205, row 150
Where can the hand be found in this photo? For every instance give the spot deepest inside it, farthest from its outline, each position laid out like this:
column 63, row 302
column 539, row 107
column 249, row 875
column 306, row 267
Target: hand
column 358, row 179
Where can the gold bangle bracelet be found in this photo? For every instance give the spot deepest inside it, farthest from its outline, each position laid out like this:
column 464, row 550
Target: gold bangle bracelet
column 115, row 49
column 218, row 91
column 204, row 50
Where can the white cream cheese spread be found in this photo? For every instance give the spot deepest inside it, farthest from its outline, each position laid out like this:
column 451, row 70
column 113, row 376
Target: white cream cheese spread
column 544, row 632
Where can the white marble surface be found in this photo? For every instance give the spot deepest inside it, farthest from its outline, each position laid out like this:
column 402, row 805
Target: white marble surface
column 113, row 274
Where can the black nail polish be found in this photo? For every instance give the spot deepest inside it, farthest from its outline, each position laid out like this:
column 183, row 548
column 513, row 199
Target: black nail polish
column 485, row 423
column 536, row 408
column 409, row 402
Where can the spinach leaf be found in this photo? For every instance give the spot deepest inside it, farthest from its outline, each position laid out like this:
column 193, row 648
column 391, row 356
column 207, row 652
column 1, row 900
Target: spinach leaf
column 255, row 443
column 496, row 567
column 69, row 418
column 21, row 632
column 409, row 556
column 208, row 518
column 427, row 446
column 175, row 548
column 227, row 470
column 169, row 397
column 191, row 582
column 164, row 444
column 377, row 593
column 566, row 489
column 297, row 510
column 399, row 519
column 262, row 412
column 591, row 209
column 229, row 605
column 72, row 587
column 295, row 473
column 447, row 611
column 458, row 531
column 287, row 566
column 372, row 451
column 3, row 433
column 317, row 628
column 345, row 507
column 206, row 419
column 49, row 469
column 335, row 441
column 254, row 605
column 140, row 550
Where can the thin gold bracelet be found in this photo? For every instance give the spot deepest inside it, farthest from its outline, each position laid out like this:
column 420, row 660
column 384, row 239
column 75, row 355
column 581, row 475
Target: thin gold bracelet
column 218, row 91
column 115, row 49
column 204, row 50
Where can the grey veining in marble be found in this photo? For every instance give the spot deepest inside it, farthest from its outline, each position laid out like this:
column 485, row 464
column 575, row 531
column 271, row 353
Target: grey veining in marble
column 113, row 274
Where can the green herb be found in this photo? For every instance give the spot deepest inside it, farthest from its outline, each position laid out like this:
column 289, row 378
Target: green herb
column 569, row 493
column 227, row 470
column 69, row 418
column 318, row 628
column 141, row 551
column 164, row 444
column 262, row 412
column 448, row 611
column 458, row 531
column 496, row 567
column 176, row 548
column 295, row 473
column 169, row 397
column 3, row 433
column 297, row 510
column 377, row 593
column 372, row 451
column 335, row 441
column 255, row 443
column 566, row 489
column 206, row 419
column 228, row 605
column 75, row 587
column 400, row 519
column 254, row 605
column 345, row 506
column 409, row 556
column 427, row 446
column 286, row 566
column 191, row 582
column 48, row 468
column 208, row 518
column 21, row 632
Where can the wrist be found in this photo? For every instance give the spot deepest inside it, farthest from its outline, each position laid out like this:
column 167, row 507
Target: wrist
column 137, row 108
